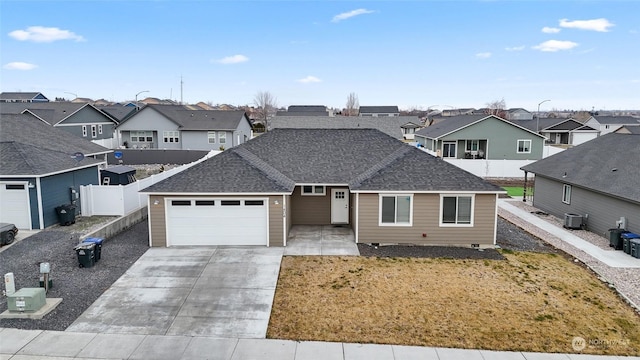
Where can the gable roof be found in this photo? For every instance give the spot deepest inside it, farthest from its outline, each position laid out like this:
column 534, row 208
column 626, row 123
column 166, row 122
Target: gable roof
column 364, row 159
column 22, row 96
column 563, row 125
column 117, row 112
column 391, row 126
column 591, row 165
column 50, row 112
column 307, row 108
column 629, row 129
column 28, row 146
column 379, row 110
column 189, row 119
column 617, row 120
column 452, row 124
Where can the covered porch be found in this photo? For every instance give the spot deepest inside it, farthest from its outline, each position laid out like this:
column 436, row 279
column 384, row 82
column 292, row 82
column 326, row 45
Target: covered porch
column 321, row 240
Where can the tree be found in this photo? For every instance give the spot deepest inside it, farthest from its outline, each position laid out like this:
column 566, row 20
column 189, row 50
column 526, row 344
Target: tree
column 497, row 108
column 266, row 106
column 351, row 109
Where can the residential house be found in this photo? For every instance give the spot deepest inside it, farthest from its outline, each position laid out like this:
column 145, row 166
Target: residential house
column 481, row 137
column 385, row 190
column 176, row 127
column 519, row 114
column 598, row 180
column 41, row 168
column 118, row 112
column 80, row 119
column 609, row 124
column 22, row 97
column 399, row 127
column 378, row 111
column 628, row 129
column 305, row 110
column 560, row 132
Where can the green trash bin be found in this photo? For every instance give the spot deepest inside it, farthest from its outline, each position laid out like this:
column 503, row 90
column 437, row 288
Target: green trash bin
column 615, row 238
column 86, row 254
column 66, row 214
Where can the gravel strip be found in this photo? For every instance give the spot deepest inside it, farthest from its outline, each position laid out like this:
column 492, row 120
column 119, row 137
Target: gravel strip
column 78, row 287
column 625, row 280
column 447, row 252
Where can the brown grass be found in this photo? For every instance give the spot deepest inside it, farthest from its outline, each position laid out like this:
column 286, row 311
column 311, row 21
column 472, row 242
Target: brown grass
column 529, row 302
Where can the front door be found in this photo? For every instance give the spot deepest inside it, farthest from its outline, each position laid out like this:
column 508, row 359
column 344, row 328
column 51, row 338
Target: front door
column 340, row 206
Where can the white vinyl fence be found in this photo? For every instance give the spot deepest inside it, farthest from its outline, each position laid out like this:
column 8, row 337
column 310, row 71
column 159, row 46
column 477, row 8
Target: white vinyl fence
column 120, row 200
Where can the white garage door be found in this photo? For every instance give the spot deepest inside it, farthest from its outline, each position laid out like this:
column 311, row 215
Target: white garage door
column 15, row 205
column 217, row 222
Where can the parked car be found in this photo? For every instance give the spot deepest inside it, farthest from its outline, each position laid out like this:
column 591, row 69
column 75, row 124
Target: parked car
column 8, row 233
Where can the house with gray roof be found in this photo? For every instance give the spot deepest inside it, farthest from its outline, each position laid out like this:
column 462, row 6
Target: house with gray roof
column 42, row 167
column 608, row 124
column 598, row 180
column 22, row 97
column 399, row 127
column 481, row 137
column 628, row 129
column 560, row 132
column 305, row 110
column 80, row 119
column 376, row 111
column 386, row 191
column 181, row 128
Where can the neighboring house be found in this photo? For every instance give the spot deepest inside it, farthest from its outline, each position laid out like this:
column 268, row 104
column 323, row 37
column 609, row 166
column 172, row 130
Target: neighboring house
column 80, row 119
column 560, row 132
column 176, row 127
column 629, row 129
column 41, row 168
column 598, row 179
column 22, row 97
column 376, row 111
column 481, row 137
column 385, row 190
column 519, row 114
column 118, row 112
column 399, row 127
column 609, row 124
column 305, row 110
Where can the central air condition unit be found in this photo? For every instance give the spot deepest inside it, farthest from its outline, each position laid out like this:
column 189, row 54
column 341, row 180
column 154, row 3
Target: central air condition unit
column 573, row 221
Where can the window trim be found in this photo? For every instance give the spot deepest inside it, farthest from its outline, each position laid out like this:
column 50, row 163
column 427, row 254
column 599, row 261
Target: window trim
column 566, row 194
column 171, row 136
column 211, row 137
column 100, row 129
column 524, row 141
column 84, row 130
column 472, row 212
column 455, row 149
column 94, row 131
column 395, row 223
column 313, row 190
column 222, row 137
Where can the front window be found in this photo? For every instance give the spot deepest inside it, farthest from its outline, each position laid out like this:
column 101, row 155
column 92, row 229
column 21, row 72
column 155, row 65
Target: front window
column 396, row 210
column 141, row 136
column 84, row 130
column 170, row 136
column 99, row 129
column 524, row 146
column 211, row 137
column 566, row 194
column 456, row 210
column 94, row 131
column 317, row 190
column 222, row 138
column 473, row 145
column 449, row 149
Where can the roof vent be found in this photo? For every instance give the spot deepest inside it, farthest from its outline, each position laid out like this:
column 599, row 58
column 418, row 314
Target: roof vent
column 614, row 169
column 191, row 114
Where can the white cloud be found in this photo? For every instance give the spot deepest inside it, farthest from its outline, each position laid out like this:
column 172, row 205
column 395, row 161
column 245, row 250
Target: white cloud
column 19, row 66
column 550, row 30
column 234, row 59
column 309, row 79
column 601, row 25
column 515, row 48
column 483, row 55
column 350, row 14
column 44, row 34
column 555, row 45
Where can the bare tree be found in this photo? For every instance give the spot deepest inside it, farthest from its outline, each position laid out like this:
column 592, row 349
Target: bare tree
column 266, row 106
column 497, row 108
column 353, row 104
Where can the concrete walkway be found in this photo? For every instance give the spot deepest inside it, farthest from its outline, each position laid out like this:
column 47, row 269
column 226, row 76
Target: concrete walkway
column 57, row 345
column 321, row 240
column 612, row 258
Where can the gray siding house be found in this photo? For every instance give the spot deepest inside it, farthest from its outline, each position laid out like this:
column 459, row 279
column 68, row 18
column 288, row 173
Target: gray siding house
column 180, row 128
column 42, row 168
column 481, row 137
column 386, row 191
column 599, row 180
column 22, row 97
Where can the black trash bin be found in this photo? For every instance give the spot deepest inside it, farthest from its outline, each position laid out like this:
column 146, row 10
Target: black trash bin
column 615, row 238
column 86, row 254
column 98, row 248
column 66, row 214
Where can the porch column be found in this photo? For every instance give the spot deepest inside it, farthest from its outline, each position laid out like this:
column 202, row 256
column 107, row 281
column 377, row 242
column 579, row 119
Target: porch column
column 524, row 190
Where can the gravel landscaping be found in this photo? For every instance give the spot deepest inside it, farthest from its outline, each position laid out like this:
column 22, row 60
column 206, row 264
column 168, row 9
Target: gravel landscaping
column 78, row 287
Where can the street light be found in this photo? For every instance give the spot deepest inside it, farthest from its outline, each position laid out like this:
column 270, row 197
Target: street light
column 143, row 91
column 538, row 115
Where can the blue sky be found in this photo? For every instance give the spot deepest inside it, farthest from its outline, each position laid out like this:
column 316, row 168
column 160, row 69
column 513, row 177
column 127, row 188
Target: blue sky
column 578, row 54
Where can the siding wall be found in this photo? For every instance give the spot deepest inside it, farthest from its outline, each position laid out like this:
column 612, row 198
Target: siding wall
column 199, row 140
column 88, row 116
column 426, row 217
column 311, row 209
column 149, row 119
column 158, row 221
column 289, row 214
column 56, row 191
column 603, row 210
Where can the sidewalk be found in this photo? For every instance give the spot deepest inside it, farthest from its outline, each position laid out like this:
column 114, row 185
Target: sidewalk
column 36, row 344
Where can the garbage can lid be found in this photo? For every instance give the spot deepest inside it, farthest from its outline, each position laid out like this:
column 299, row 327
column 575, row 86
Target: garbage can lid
column 630, row 235
column 94, row 240
column 84, row 245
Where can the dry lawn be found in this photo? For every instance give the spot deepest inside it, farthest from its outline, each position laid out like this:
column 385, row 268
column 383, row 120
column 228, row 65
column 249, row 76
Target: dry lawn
column 529, row 302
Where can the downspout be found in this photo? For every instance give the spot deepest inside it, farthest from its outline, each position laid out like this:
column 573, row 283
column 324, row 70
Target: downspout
column 524, row 190
column 284, row 221
column 357, row 216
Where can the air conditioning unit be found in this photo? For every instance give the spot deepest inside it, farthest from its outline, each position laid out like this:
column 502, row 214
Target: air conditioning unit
column 573, row 221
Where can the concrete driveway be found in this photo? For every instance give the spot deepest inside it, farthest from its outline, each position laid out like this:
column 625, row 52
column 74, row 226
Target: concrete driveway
column 205, row 291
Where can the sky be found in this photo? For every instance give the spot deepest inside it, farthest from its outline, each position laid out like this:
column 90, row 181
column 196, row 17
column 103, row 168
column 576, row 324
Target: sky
column 580, row 55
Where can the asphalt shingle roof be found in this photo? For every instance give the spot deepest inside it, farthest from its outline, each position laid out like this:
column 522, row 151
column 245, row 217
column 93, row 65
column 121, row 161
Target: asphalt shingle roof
column 448, row 125
column 51, row 112
column 364, row 159
column 591, row 165
column 198, row 120
column 378, row 109
column 617, row 120
column 388, row 125
column 19, row 95
column 28, row 146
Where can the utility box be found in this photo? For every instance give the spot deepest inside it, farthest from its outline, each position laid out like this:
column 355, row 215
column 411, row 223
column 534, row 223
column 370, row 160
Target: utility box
column 26, row 300
column 573, row 221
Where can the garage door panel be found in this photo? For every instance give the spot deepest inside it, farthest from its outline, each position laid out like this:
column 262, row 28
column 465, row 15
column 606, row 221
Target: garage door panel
column 15, row 205
column 217, row 224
